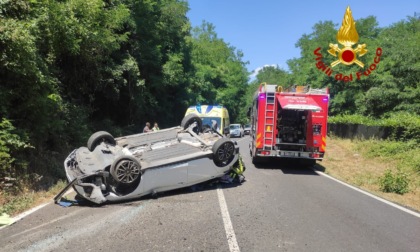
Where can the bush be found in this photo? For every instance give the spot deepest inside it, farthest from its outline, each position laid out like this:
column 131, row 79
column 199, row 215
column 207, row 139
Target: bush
column 395, row 183
column 10, row 144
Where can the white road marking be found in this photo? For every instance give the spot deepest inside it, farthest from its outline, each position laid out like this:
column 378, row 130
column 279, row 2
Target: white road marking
column 370, row 195
column 230, row 233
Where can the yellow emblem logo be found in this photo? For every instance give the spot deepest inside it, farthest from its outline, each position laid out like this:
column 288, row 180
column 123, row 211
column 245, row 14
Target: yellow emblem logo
column 347, row 36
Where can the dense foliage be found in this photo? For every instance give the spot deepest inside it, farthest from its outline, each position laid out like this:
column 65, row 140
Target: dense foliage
column 394, row 86
column 70, row 68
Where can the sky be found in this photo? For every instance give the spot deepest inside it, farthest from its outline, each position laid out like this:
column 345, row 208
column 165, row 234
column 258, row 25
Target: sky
column 266, row 31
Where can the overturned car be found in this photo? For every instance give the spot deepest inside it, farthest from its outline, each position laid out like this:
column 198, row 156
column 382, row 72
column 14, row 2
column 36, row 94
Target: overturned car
column 115, row 169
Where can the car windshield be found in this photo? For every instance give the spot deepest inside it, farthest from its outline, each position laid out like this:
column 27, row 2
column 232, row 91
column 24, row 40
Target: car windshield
column 210, row 121
column 248, row 126
column 232, row 126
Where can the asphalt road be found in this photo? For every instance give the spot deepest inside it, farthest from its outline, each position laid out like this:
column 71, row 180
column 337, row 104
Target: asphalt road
column 281, row 207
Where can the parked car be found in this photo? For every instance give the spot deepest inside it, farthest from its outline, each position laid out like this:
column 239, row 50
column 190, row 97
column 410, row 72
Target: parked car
column 247, row 129
column 236, row 130
column 116, row 169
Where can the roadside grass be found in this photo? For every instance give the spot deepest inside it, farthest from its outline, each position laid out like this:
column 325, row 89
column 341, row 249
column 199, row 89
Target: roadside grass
column 16, row 203
column 371, row 164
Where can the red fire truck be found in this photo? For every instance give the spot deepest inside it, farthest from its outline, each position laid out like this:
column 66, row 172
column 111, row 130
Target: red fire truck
column 289, row 123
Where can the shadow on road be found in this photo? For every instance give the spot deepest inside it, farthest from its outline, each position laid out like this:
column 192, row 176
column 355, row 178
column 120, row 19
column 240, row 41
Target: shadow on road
column 205, row 186
column 290, row 166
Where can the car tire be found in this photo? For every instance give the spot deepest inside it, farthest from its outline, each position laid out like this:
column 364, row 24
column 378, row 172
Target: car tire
column 190, row 119
column 125, row 170
column 99, row 137
column 223, row 152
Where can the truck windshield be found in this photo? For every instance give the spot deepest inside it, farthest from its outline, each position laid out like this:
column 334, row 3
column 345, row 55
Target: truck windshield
column 212, row 121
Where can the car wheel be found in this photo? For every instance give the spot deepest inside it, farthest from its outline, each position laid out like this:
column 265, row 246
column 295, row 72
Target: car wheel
column 125, row 170
column 190, row 119
column 99, row 137
column 223, row 152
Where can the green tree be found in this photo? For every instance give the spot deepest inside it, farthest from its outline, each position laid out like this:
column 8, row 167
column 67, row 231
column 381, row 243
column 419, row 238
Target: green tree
column 220, row 75
column 396, row 81
column 273, row 75
column 391, row 86
column 160, row 46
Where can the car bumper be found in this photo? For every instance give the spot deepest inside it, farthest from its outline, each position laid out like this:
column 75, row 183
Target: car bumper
column 237, row 134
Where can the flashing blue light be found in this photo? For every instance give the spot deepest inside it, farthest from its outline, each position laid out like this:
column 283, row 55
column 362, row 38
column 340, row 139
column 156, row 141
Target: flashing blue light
column 262, row 96
column 198, row 108
column 209, row 108
column 325, row 99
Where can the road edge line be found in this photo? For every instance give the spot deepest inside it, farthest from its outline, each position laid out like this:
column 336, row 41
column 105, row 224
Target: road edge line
column 24, row 214
column 370, row 194
column 32, row 210
column 230, row 233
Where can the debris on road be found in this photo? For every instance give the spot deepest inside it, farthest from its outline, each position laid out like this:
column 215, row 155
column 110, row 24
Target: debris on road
column 64, row 202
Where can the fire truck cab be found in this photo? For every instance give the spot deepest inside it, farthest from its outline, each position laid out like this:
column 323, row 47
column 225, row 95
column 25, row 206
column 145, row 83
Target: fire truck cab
column 289, row 123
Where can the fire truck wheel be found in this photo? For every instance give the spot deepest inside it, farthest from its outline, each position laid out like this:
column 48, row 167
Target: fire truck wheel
column 308, row 162
column 99, row 137
column 223, row 152
column 190, row 119
column 255, row 160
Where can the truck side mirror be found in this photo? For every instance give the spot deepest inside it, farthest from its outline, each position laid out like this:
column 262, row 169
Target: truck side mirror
column 226, row 130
